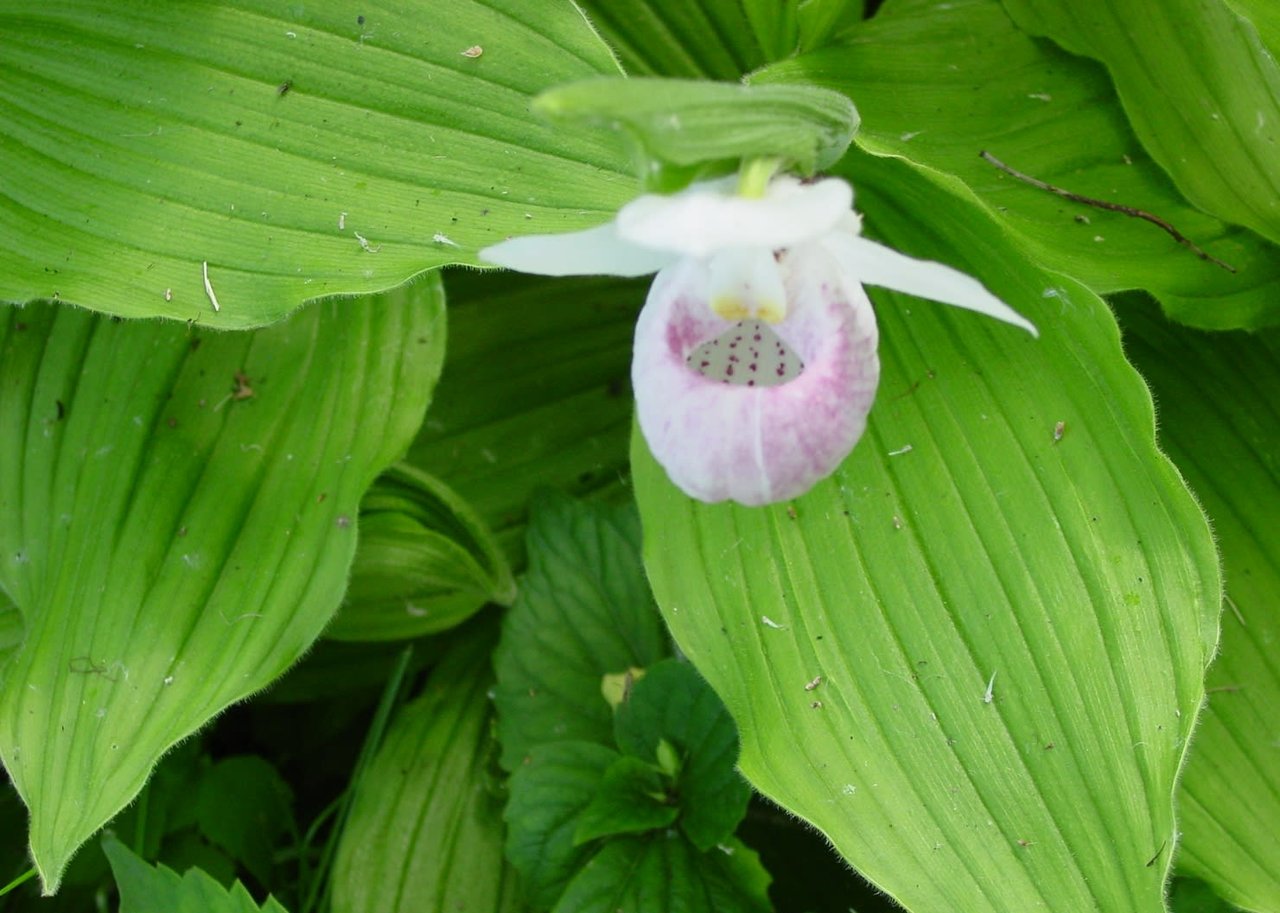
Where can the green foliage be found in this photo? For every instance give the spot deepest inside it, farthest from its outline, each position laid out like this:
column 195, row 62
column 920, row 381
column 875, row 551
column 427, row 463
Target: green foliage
column 148, row 889
column 649, row 777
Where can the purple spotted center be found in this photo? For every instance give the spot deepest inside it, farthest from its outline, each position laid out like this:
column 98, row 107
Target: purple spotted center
column 750, row 354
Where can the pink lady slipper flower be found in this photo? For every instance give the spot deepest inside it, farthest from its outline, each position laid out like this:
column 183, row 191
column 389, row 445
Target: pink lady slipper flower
column 755, row 359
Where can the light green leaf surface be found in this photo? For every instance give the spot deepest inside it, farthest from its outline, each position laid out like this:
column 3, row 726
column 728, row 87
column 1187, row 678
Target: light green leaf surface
column 1219, row 422
column 666, row 872
column 1264, row 16
column 158, row 889
column 536, row 392
column 1200, row 88
column 268, row 140
column 584, row 611
column 425, row 563
column 931, row 92
column 425, row 829
column 703, row 39
column 554, row 786
column 174, row 542
column 1078, row 572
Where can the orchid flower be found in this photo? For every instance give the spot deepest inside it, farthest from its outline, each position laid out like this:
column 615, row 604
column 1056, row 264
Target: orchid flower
column 755, row 363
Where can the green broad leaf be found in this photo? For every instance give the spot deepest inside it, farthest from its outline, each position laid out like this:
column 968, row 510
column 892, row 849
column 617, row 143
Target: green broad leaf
column 630, row 798
column 584, row 611
column 702, row 39
column 973, row 664
column 775, row 24
column 1264, row 16
column 666, row 872
column 265, row 155
column 10, row 628
column 535, row 393
column 425, row 829
column 158, row 889
column 1219, row 421
column 1190, row 895
column 243, row 805
column 819, row 20
column 425, row 563
column 931, row 94
column 673, row 703
column 1199, row 86
column 693, row 122
column 180, row 514
column 549, row 793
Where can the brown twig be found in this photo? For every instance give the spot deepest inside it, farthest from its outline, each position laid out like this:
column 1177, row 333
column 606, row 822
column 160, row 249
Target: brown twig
column 1113, row 207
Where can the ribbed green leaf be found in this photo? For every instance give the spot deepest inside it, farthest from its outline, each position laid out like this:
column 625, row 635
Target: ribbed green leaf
column 158, row 889
column 179, row 514
column 1200, row 88
column 973, row 664
column 536, row 392
column 425, row 562
column 929, row 93
column 1220, row 422
column 291, row 150
column 703, row 39
column 425, row 830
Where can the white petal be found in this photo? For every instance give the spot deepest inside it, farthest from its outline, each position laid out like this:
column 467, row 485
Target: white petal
column 706, row 218
column 755, row 444
column 596, row 251
column 874, row 264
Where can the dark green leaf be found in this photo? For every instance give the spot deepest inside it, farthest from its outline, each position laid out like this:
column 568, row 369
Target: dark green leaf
column 672, row 703
column 584, row 611
column 631, row 798
column 551, row 789
column 243, row 805
column 147, row 889
column 666, row 872
column 699, row 39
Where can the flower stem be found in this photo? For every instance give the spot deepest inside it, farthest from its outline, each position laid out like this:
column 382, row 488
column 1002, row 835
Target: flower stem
column 755, row 174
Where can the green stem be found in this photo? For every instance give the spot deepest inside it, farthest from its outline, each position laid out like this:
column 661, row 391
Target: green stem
column 755, row 174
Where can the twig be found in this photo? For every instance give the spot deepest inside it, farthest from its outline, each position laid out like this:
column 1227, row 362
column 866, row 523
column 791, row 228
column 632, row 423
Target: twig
column 1113, row 207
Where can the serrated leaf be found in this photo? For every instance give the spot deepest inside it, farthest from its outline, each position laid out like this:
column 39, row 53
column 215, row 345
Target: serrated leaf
column 666, row 872
column 549, row 792
column 535, row 394
column 425, row 563
column 243, row 805
column 425, row 828
column 179, row 530
column 1219, row 421
column 158, row 889
column 1200, row 88
column 929, row 93
column 1078, row 570
column 584, row 611
column 672, row 703
column 630, row 798
column 291, row 151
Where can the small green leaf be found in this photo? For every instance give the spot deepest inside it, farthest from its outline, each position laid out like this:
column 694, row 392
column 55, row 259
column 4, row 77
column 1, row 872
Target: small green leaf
column 549, row 793
column 178, row 515
column 425, row 829
column 535, row 393
column 1219, row 422
column 243, row 805
column 666, row 872
column 147, row 889
column 425, row 563
column 584, row 610
column 631, row 798
column 673, row 705
column 1200, row 88
column 693, row 123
